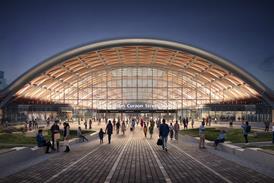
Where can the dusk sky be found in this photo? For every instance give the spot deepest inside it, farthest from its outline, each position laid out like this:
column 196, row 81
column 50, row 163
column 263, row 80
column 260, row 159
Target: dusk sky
column 240, row 31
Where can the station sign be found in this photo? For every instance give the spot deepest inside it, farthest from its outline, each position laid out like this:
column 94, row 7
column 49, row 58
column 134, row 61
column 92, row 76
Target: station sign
column 135, row 111
column 142, row 106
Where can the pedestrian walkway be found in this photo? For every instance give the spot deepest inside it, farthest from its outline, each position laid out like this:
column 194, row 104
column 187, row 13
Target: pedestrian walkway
column 133, row 158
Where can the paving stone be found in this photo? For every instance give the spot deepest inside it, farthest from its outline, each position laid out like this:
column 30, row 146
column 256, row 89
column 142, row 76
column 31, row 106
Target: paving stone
column 137, row 164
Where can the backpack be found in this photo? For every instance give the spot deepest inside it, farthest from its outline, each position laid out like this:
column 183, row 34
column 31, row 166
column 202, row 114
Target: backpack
column 248, row 129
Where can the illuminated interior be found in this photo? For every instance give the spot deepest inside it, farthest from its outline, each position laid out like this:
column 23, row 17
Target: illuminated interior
column 110, row 78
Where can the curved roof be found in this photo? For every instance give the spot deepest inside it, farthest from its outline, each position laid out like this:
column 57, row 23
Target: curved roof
column 189, row 72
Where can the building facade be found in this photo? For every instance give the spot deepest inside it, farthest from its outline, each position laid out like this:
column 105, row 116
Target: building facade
column 133, row 77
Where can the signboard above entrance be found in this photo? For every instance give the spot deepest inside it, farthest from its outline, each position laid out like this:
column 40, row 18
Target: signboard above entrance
column 145, row 106
column 136, row 111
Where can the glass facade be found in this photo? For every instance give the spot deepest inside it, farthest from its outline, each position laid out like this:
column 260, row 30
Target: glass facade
column 158, row 78
column 159, row 89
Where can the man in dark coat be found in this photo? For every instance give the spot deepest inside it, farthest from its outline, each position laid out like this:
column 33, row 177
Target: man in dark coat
column 41, row 141
column 109, row 130
column 164, row 130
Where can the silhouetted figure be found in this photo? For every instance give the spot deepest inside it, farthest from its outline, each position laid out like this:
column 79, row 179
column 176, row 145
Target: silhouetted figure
column 80, row 135
column 145, row 129
column 55, row 134
column 90, row 124
column 109, row 130
column 101, row 136
column 41, row 142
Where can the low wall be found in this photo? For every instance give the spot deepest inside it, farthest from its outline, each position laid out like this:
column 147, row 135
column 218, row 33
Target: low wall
column 264, row 161
column 19, row 158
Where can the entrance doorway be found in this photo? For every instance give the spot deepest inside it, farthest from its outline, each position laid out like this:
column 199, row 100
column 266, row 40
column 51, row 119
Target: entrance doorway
column 127, row 115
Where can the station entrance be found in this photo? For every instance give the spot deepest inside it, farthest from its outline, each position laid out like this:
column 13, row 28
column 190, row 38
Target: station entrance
column 127, row 115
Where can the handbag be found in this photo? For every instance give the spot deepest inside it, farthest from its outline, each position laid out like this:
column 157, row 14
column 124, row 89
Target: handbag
column 159, row 142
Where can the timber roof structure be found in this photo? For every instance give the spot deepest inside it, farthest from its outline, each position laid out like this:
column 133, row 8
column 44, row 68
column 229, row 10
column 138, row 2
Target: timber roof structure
column 109, row 74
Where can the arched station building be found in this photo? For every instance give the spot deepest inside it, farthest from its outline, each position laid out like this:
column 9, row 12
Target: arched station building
column 136, row 77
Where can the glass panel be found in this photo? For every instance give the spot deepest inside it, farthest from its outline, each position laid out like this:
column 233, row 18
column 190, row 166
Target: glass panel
column 129, row 93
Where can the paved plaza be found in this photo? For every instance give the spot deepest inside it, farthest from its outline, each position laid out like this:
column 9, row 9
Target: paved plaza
column 134, row 158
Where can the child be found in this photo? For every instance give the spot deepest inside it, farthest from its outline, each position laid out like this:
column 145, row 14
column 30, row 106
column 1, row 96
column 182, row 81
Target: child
column 145, row 129
column 101, row 135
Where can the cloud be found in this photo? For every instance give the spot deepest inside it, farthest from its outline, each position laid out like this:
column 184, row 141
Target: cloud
column 267, row 64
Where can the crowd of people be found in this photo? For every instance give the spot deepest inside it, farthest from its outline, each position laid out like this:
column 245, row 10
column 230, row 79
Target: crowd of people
column 56, row 132
column 31, row 125
column 148, row 127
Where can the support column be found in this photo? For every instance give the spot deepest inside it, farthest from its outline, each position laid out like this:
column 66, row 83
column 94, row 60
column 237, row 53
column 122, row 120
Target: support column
column 167, row 92
column 91, row 89
column 78, row 107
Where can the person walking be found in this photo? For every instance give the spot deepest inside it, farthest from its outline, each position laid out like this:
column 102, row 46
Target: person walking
column 86, row 124
column 114, row 123
column 101, row 136
column 152, row 123
column 192, row 122
column 176, row 129
column 48, row 122
column 80, row 135
column 171, row 131
column 90, row 124
column 66, row 135
column 142, row 122
column 33, row 123
column 202, row 135
column 36, row 124
column 132, row 125
column 163, row 134
column 30, row 125
column 109, row 130
column 145, row 129
column 118, row 127
column 151, row 129
column 246, row 130
column 158, row 123
column 123, row 127
column 266, row 123
column 55, row 134
column 184, row 122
